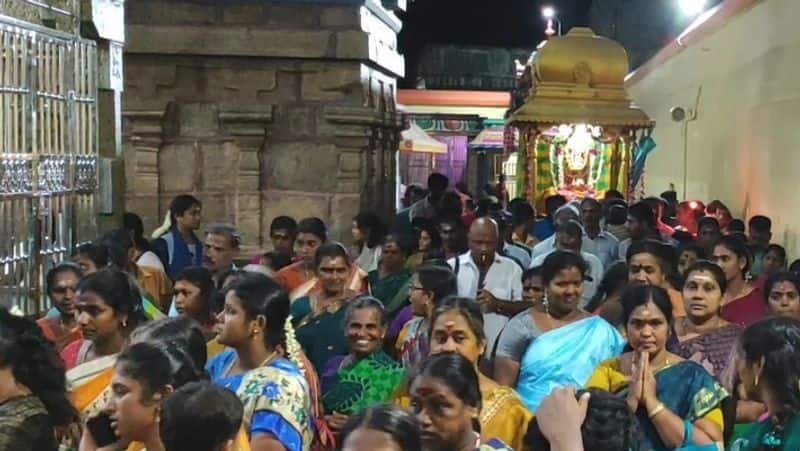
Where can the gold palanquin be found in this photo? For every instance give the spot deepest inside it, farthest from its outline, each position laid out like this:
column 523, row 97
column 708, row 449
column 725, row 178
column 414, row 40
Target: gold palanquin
column 578, row 78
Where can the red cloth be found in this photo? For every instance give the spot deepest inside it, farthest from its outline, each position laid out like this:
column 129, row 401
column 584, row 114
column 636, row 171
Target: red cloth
column 664, row 229
column 759, row 282
column 54, row 331
column 747, row 309
column 468, row 218
column 70, row 354
column 464, row 198
column 291, row 277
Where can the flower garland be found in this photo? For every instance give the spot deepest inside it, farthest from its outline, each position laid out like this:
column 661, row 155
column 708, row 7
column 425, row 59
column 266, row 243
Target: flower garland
column 557, row 162
column 292, row 346
column 595, row 171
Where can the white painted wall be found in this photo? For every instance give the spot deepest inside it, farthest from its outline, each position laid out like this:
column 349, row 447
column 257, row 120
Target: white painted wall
column 744, row 146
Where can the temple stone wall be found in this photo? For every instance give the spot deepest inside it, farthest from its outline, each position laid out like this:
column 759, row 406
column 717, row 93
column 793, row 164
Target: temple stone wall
column 39, row 16
column 741, row 147
column 261, row 109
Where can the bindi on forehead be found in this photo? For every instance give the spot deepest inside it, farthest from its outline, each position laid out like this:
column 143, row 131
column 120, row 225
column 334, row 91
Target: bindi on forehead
column 427, row 386
column 784, row 288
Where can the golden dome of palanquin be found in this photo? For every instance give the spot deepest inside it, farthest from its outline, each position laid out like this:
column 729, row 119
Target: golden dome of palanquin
column 582, row 58
column 580, row 78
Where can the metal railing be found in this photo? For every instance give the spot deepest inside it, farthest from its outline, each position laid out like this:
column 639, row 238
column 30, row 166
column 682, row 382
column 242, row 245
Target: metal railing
column 48, row 155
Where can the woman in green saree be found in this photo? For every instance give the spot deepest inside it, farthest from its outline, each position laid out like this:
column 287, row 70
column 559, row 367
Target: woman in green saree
column 769, row 369
column 676, row 401
column 390, row 282
column 318, row 317
column 366, row 376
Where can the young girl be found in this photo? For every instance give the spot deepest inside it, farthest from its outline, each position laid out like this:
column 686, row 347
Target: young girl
column 145, row 375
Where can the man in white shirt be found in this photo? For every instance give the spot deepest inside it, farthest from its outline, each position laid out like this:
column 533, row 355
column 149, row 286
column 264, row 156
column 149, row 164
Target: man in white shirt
column 495, row 281
column 568, row 238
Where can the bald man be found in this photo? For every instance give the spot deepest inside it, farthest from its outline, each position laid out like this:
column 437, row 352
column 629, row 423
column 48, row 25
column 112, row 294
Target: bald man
column 494, row 280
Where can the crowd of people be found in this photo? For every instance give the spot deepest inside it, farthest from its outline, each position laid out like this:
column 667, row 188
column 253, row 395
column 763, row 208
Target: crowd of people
column 461, row 324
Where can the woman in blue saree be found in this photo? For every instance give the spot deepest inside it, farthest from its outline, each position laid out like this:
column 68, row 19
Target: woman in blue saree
column 275, row 394
column 555, row 344
column 676, row 401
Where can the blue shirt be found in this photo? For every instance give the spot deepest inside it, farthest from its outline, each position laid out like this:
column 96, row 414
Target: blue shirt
column 606, row 248
column 519, row 253
column 543, row 229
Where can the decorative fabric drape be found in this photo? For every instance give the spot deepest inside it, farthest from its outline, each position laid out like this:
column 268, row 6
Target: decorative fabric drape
column 454, row 163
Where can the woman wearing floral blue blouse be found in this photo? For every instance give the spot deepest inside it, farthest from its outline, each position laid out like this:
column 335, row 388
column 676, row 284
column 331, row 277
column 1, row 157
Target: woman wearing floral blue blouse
column 275, row 394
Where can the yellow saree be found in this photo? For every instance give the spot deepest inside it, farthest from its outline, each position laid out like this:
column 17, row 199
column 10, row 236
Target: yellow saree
column 503, row 416
column 89, row 386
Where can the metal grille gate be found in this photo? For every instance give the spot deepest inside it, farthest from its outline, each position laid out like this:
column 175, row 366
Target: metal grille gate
column 48, row 155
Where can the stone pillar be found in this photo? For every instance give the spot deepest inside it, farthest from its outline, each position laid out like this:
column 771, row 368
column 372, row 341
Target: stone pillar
column 104, row 21
column 278, row 108
column 142, row 138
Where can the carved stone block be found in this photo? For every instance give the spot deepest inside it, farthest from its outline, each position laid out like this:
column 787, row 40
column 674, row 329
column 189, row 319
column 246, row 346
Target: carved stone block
column 350, row 162
column 302, row 166
column 301, row 121
column 218, row 207
column 177, row 167
column 352, row 45
column 285, row 16
column 248, row 216
column 147, row 207
column 220, row 166
column 297, row 204
column 198, row 120
column 227, row 41
column 341, row 17
column 343, row 208
column 157, row 13
column 332, row 82
column 243, row 13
